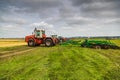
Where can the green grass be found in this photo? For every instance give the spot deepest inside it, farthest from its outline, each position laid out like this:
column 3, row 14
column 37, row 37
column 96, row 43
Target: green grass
column 114, row 57
column 62, row 63
column 7, row 50
column 116, row 41
column 77, row 64
column 23, row 67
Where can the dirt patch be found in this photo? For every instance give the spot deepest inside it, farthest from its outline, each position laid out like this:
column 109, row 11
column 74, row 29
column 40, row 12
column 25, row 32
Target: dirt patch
column 15, row 53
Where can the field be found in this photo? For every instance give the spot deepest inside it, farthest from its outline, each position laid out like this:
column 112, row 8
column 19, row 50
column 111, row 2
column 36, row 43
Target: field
column 59, row 63
column 11, row 42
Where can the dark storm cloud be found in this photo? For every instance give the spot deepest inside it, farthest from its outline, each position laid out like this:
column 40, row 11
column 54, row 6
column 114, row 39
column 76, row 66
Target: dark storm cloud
column 64, row 10
column 30, row 3
column 98, row 8
column 43, row 8
column 80, row 2
column 30, row 6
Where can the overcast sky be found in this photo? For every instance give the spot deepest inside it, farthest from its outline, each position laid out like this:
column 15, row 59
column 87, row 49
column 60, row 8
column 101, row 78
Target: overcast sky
column 62, row 17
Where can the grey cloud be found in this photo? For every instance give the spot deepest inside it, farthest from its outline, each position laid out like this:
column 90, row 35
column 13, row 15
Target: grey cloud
column 19, row 21
column 80, row 2
column 31, row 4
column 98, row 8
column 70, row 14
column 79, row 20
column 113, row 21
column 67, row 12
column 42, row 8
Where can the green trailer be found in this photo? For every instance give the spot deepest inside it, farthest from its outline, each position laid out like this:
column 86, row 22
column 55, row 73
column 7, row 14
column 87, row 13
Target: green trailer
column 99, row 44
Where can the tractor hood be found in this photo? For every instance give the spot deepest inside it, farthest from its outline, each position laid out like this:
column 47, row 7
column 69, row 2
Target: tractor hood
column 29, row 36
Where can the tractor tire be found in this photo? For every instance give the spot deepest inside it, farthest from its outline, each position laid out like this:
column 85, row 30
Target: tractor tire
column 48, row 42
column 31, row 43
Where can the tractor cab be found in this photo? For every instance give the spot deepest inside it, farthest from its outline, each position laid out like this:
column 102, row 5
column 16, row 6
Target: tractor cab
column 39, row 33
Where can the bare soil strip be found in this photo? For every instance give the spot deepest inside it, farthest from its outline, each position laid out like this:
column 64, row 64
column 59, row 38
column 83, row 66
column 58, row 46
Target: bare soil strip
column 15, row 53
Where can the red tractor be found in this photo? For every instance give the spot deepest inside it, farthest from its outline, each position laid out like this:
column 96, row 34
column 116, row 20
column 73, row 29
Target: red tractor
column 39, row 37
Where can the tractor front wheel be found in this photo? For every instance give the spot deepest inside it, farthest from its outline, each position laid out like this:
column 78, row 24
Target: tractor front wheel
column 48, row 42
column 31, row 43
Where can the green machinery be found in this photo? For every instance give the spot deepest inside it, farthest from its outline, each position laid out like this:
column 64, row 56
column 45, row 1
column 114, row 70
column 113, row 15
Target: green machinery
column 71, row 43
column 99, row 44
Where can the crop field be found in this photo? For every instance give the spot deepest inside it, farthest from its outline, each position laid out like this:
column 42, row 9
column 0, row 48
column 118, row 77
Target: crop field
column 20, row 62
column 11, row 42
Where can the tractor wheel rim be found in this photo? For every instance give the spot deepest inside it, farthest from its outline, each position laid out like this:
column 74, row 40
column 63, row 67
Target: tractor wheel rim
column 30, row 43
column 48, row 43
column 98, row 47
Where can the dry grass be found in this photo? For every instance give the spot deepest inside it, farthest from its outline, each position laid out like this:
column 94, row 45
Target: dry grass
column 11, row 42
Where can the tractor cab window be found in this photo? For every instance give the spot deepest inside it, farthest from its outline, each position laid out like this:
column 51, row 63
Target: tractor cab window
column 38, row 33
column 43, row 32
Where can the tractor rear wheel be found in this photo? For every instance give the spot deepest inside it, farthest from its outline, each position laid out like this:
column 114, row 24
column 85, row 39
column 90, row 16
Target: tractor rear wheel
column 31, row 43
column 48, row 42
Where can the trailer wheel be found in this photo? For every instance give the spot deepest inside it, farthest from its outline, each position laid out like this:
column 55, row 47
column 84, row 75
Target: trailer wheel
column 106, row 47
column 97, row 47
column 31, row 43
column 48, row 42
